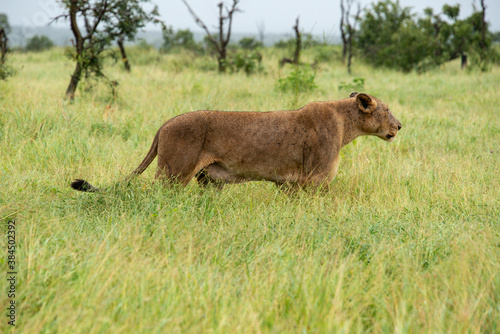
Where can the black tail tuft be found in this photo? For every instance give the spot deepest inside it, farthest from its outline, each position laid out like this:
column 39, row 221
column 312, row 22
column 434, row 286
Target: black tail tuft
column 82, row 185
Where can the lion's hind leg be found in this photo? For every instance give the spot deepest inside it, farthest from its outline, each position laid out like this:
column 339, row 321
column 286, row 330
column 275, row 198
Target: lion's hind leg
column 163, row 171
column 171, row 174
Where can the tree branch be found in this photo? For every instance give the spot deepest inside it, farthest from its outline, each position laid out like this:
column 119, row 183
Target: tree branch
column 58, row 17
column 98, row 18
column 201, row 24
column 73, row 8
column 298, row 42
column 230, row 15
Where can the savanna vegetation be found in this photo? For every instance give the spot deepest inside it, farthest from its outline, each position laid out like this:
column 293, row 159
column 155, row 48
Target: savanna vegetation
column 406, row 239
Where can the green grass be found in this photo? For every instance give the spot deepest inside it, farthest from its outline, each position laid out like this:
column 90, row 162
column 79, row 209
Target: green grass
column 406, row 240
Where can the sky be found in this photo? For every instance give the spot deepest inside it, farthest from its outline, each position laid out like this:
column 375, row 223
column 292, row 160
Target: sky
column 318, row 17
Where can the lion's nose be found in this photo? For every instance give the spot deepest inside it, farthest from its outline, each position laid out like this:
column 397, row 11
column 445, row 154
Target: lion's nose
column 399, row 127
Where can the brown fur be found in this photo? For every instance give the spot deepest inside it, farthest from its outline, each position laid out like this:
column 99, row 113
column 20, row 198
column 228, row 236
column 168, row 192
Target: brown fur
column 297, row 147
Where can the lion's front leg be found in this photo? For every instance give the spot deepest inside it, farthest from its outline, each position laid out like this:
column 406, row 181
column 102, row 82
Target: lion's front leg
column 206, row 181
column 289, row 188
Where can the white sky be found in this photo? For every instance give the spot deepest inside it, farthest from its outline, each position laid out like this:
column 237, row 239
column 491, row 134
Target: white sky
column 320, row 17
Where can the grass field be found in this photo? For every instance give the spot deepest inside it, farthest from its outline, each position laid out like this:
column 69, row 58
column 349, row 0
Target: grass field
column 407, row 239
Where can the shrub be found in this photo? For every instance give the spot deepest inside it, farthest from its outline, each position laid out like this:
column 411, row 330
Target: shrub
column 182, row 39
column 392, row 36
column 308, row 41
column 326, row 53
column 38, row 43
column 6, row 71
column 301, row 79
column 357, row 84
column 143, row 45
column 249, row 43
column 247, row 62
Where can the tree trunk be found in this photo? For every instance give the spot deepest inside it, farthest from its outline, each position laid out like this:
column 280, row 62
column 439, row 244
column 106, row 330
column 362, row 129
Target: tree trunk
column 298, row 43
column 342, row 31
column 349, row 52
column 3, row 46
column 79, row 48
column 483, row 26
column 220, row 44
column 349, row 61
column 75, row 79
column 124, row 55
column 350, row 31
column 437, row 34
column 222, row 61
column 464, row 60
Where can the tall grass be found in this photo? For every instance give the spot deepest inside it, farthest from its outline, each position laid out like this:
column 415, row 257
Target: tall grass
column 406, row 240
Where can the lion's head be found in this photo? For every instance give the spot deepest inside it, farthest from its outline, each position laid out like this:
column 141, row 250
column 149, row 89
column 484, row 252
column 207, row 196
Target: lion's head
column 377, row 118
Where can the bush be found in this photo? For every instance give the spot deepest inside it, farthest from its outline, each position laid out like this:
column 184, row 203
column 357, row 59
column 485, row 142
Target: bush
column 182, row 39
column 143, row 45
column 380, row 35
column 247, row 62
column 249, row 43
column 326, row 53
column 38, row 43
column 308, row 41
column 357, row 85
column 6, row 71
column 301, row 79
column 143, row 54
column 394, row 37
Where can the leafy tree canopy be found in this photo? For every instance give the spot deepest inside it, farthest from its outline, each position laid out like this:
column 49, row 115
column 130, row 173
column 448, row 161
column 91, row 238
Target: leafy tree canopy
column 392, row 36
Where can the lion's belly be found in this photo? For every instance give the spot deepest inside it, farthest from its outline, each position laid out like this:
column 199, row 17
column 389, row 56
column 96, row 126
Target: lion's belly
column 235, row 173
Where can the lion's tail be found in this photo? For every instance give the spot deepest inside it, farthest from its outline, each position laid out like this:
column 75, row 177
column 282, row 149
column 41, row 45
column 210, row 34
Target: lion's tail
column 153, row 151
column 82, row 185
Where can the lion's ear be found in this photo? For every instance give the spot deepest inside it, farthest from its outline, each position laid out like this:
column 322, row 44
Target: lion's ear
column 365, row 103
column 353, row 94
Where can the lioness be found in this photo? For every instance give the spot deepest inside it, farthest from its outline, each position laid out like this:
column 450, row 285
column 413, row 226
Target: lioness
column 294, row 147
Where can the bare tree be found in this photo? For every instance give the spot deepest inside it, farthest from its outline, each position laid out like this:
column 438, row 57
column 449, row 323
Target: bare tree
column 298, row 47
column 348, row 29
column 261, row 29
column 298, row 43
column 342, row 31
column 224, row 34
